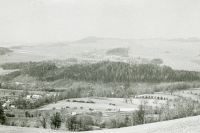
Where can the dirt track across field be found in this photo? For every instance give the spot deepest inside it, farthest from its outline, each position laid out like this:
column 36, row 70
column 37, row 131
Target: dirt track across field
column 184, row 125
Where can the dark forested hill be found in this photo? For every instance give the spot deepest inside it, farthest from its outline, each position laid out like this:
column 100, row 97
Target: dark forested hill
column 121, row 72
column 105, row 72
column 3, row 50
column 118, row 52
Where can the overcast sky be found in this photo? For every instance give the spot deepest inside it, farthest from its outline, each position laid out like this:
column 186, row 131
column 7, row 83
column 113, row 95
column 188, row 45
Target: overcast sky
column 67, row 20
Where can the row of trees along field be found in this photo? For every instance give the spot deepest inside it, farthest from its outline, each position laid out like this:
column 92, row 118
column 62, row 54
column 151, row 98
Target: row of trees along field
column 105, row 72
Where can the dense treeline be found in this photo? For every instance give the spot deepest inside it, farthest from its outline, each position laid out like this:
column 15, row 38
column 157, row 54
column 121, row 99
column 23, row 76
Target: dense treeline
column 175, row 86
column 10, row 76
column 15, row 65
column 33, row 69
column 121, row 72
column 105, row 72
column 39, row 70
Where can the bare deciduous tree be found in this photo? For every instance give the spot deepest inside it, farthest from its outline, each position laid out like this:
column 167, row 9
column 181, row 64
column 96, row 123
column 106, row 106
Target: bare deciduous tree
column 43, row 119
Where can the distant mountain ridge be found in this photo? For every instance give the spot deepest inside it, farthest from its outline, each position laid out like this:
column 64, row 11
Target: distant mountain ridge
column 191, row 39
column 90, row 39
column 93, row 39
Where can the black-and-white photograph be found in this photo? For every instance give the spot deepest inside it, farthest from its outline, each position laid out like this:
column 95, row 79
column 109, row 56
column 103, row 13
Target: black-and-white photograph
column 99, row 66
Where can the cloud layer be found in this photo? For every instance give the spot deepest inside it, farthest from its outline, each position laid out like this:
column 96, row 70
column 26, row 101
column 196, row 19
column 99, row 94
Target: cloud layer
column 62, row 20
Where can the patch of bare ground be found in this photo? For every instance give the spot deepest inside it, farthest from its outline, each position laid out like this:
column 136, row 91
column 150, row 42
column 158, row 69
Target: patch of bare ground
column 184, row 125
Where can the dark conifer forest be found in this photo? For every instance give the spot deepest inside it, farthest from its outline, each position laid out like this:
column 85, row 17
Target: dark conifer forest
column 103, row 72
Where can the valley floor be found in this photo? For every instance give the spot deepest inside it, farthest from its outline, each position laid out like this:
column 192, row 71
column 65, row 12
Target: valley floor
column 184, row 125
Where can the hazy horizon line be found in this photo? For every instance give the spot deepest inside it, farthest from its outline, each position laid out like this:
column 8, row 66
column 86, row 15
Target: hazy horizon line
column 64, row 41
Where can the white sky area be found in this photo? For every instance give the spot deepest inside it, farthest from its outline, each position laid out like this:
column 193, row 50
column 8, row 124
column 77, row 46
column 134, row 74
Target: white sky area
column 67, row 20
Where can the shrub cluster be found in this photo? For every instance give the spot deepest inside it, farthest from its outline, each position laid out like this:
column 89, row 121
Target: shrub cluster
column 90, row 102
column 80, row 122
column 10, row 115
column 78, row 101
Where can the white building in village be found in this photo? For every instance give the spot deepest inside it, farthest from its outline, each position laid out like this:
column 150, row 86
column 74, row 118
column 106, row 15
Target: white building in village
column 127, row 109
column 28, row 97
column 6, row 104
column 56, row 94
column 48, row 95
column 12, row 107
column 18, row 83
column 36, row 96
column 73, row 113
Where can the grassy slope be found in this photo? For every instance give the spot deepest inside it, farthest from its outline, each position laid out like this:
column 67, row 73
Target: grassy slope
column 184, row 125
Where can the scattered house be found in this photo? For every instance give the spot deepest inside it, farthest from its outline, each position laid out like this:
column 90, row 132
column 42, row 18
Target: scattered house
column 48, row 95
column 76, row 113
column 18, row 83
column 28, row 96
column 56, row 94
column 4, row 105
column 73, row 113
column 36, row 96
column 127, row 109
column 12, row 107
column 8, row 102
